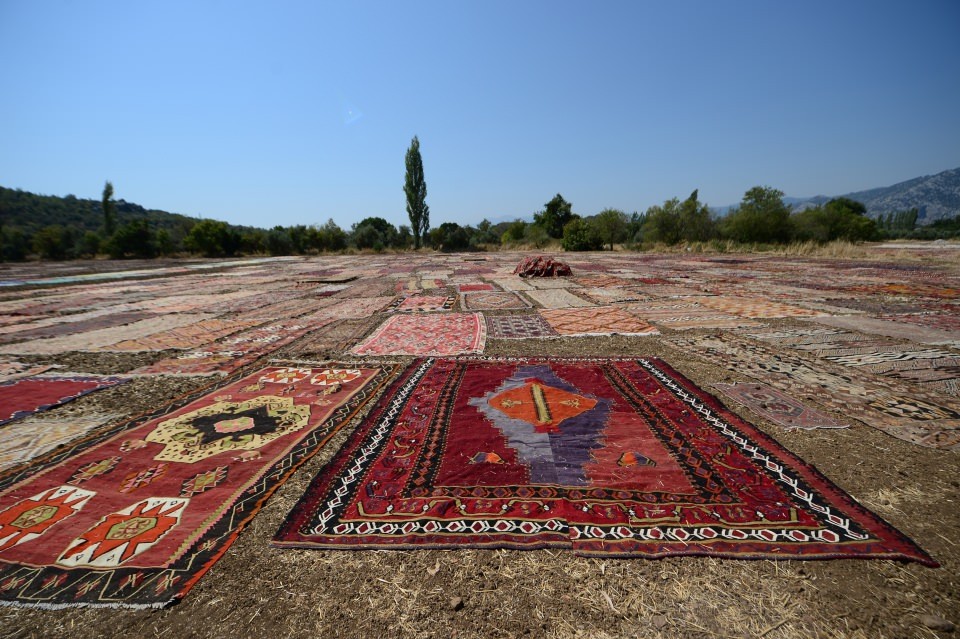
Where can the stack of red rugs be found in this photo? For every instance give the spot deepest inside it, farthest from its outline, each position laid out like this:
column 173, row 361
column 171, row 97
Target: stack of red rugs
column 542, row 267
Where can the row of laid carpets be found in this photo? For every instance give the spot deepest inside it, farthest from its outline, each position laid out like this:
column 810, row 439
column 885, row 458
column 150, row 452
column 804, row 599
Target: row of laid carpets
column 611, row 457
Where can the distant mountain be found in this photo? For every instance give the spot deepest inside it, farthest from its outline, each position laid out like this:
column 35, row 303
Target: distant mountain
column 935, row 196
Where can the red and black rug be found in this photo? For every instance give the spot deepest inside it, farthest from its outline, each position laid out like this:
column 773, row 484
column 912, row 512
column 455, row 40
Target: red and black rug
column 135, row 515
column 621, row 458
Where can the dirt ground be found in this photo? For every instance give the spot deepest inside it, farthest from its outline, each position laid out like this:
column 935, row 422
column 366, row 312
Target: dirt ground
column 257, row 591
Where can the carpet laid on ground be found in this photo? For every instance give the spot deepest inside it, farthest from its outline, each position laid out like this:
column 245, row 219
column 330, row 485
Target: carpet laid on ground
column 602, row 320
column 428, row 334
column 777, row 406
column 133, row 516
column 30, row 395
column 614, row 457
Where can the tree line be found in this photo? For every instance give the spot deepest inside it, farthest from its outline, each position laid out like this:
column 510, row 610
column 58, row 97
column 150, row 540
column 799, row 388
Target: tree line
column 67, row 228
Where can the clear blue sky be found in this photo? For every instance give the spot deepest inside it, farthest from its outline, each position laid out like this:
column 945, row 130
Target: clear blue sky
column 295, row 112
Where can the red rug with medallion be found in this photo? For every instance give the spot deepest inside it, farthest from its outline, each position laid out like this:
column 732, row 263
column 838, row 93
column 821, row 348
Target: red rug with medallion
column 133, row 516
column 612, row 457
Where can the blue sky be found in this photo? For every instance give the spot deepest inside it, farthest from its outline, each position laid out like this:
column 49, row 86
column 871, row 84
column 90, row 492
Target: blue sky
column 295, row 112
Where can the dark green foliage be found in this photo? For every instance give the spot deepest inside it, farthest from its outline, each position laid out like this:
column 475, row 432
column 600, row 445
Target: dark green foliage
column 133, row 239
column 449, row 237
column 109, row 210
column 415, row 188
column 838, row 219
column 611, row 225
column 212, row 238
column 554, row 216
column 89, row 244
column 53, row 242
column 581, row 235
column 662, row 223
column 371, row 231
column 696, row 222
column 762, row 217
column 536, row 236
column 279, row 242
column 331, row 237
column 165, row 244
column 404, row 237
column 13, row 244
column 486, row 235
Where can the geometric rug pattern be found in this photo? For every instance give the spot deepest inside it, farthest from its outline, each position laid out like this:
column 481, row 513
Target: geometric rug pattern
column 612, row 457
column 441, row 334
column 136, row 515
column 601, row 320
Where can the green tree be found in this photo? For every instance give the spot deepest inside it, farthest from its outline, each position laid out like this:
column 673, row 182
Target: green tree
column 761, row 217
column 554, row 216
column 89, row 244
column 581, row 235
column 51, row 243
column 696, row 223
column 109, row 210
column 133, row 239
column 279, row 242
column 514, row 233
column 386, row 231
column 332, row 237
column 212, row 238
column 611, row 225
column 663, row 223
column 449, row 237
column 415, row 187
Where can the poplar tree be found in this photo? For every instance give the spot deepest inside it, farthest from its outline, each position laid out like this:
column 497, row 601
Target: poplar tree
column 109, row 210
column 416, row 189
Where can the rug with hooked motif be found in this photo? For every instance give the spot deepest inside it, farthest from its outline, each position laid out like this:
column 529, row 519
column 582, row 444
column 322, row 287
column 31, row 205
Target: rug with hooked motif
column 29, row 395
column 493, row 301
column 612, row 457
column 135, row 514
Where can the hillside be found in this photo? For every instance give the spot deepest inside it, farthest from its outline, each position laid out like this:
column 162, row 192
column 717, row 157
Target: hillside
column 31, row 212
column 936, row 197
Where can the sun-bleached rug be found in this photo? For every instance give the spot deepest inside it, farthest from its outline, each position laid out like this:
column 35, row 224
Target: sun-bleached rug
column 557, row 298
column 600, row 320
column 493, row 301
column 427, row 334
column 777, row 406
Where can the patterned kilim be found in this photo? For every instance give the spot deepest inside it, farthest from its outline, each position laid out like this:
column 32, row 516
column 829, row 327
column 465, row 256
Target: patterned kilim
column 184, row 337
column 135, row 515
column 777, row 406
column 423, row 303
column 232, row 353
column 518, row 327
column 431, row 334
column 97, row 339
column 557, row 298
column 70, row 326
column 755, row 307
column 602, row 295
column 30, row 395
column 923, row 334
column 335, row 337
column 493, row 301
column 682, row 314
column 924, row 418
column 612, row 458
column 475, row 287
column 596, row 321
